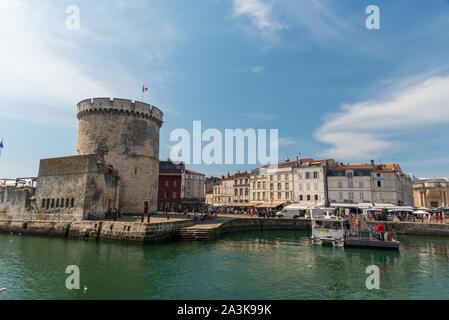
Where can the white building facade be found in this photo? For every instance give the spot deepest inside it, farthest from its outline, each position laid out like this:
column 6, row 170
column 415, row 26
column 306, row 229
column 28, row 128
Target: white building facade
column 193, row 187
column 310, row 182
column 370, row 183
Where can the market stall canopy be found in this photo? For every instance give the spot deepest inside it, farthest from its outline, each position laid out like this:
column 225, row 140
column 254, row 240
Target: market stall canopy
column 401, row 209
column 237, row 205
column 297, row 207
column 270, row 204
column 344, row 205
column 376, row 205
column 421, row 212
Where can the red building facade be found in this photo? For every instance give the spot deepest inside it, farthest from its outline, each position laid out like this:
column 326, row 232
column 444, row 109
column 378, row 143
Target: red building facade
column 170, row 181
column 169, row 193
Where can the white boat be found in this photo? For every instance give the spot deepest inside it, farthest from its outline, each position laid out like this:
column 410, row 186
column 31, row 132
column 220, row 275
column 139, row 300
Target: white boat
column 328, row 229
column 332, row 230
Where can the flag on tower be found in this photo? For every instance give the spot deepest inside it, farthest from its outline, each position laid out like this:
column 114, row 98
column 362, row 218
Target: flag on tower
column 143, row 91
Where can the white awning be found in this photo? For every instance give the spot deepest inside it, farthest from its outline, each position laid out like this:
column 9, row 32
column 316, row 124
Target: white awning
column 421, row 212
column 297, row 207
column 345, row 205
column 399, row 209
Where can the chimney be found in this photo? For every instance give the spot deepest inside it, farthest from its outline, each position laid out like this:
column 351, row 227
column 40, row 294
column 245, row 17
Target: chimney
column 372, row 163
column 222, row 177
column 229, row 175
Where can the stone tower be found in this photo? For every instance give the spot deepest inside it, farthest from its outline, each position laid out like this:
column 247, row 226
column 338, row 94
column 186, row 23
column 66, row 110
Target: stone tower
column 126, row 135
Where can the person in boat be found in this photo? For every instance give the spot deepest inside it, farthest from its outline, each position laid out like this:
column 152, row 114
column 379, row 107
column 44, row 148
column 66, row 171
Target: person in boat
column 381, row 229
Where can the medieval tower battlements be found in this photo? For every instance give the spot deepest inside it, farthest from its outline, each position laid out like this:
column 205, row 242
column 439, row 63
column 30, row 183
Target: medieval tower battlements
column 126, row 134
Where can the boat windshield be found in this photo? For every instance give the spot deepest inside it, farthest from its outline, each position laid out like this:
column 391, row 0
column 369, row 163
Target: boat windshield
column 336, row 226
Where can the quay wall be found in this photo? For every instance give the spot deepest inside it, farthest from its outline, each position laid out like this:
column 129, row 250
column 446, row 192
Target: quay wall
column 97, row 230
column 248, row 224
column 164, row 231
column 240, row 225
column 431, row 229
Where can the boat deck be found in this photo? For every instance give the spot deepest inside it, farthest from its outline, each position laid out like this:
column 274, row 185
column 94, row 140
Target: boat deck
column 375, row 244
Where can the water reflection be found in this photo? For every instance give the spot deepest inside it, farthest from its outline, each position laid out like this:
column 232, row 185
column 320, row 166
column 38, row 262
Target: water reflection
column 256, row 265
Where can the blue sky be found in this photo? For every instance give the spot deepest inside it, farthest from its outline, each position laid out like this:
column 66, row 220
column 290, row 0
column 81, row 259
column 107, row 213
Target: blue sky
column 309, row 68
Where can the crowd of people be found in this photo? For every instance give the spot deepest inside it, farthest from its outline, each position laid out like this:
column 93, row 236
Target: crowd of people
column 209, row 212
column 434, row 217
column 202, row 212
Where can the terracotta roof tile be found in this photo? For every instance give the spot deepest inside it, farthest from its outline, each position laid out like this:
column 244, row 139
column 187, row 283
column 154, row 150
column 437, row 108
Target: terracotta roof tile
column 193, row 172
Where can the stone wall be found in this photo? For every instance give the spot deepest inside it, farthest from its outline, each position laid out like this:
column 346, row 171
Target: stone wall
column 126, row 134
column 432, row 229
column 239, row 225
column 144, row 232
column 74, row 188
column 97, row 230
column 16, row 202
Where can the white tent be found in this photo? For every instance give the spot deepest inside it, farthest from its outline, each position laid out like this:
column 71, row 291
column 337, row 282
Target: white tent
column 401, row 209
column 420, row 212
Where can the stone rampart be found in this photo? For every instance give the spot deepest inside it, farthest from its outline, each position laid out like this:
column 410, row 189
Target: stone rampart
column 119, row 106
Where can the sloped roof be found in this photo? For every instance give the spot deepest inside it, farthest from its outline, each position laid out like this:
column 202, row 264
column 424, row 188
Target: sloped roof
column 193, row 172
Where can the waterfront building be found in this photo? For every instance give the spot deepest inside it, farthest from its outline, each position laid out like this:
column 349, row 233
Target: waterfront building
column 170, row 182
column 241, row 187
column 209, row 189
column 310, row 181
column 382, row 183
column 224, row 190
column 210, row 198
column 272, row 183
column 179, row 186
column 431, row 192
column 192, row 189
column 209, row 184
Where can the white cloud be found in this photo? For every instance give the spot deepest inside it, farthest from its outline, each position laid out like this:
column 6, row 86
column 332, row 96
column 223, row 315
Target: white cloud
column 33, row 72
column 260, row 13
column 319, row 17
column 49, row 68
column 367, row 128
column 324, row 22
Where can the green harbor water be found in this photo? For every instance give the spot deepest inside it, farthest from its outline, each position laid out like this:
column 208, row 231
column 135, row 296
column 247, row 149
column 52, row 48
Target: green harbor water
column 254, row 265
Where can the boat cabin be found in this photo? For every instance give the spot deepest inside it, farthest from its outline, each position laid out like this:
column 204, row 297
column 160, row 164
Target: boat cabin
column 328, row 229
